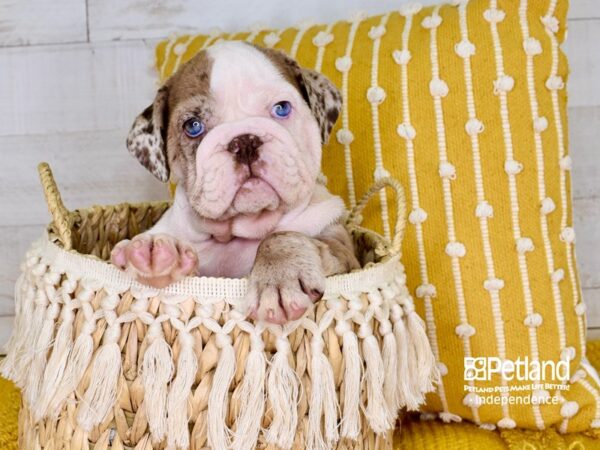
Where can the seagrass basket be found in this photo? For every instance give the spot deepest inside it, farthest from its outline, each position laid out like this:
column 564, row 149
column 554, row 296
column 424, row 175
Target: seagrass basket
column 105, row 362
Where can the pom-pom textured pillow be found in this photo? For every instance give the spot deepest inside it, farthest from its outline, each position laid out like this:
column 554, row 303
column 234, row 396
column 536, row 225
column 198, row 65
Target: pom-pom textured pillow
column 466, row 105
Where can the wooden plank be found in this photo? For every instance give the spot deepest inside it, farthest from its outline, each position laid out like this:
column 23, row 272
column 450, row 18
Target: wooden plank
column 592, row 301
column 584, row 60
column 584, row 138
column 584, row 9
column 90, row 168
column 128, row 19
column 74, row 87
column 42, row 22
column 586, row 219
column 14, row 242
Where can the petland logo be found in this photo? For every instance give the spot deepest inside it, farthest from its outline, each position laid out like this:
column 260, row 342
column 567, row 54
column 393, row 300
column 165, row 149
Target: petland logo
column 484, row 368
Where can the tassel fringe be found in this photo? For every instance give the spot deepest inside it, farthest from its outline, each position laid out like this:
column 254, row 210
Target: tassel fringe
column 350, row 426
column 282, row 391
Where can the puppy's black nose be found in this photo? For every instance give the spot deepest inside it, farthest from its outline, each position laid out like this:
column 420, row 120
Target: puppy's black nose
column 245, row 148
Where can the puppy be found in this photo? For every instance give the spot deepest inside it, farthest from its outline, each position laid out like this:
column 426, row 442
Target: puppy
column 240, row 129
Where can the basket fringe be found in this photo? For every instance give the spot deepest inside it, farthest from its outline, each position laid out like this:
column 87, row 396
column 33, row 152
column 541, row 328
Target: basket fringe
column 323, row 400
column 101, row 394
column 23, row 312
column 77, row 363
column 377, row 410
column 282, row 391
column 35, row 372
column 427, row 371
column 178, row 435
column 219, row 435
column 390, row 368
column 56, row 366
column 350, row 424
column 251, row 397
column 406, row 392
column 157, row 371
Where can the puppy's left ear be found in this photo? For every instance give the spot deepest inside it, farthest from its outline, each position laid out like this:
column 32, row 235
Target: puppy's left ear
column 322, row 96
column 146, row 139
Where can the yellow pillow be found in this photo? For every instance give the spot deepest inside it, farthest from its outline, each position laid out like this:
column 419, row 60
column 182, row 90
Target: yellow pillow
column 465, row 104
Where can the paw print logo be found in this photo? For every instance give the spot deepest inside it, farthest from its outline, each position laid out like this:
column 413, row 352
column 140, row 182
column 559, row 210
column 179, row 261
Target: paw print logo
column 475, row 369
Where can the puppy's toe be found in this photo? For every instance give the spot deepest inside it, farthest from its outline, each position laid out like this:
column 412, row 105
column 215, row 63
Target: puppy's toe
column 188, row 260
column 118, row 254
column 164, row 255
column 294, row 302
column 139, row 254
column 270, row 308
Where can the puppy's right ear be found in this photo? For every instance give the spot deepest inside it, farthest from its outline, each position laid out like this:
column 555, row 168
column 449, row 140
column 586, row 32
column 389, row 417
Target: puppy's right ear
column 147, row 137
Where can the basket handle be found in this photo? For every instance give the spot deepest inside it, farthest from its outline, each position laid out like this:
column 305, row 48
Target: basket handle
column 354, row 217
column 60, row 214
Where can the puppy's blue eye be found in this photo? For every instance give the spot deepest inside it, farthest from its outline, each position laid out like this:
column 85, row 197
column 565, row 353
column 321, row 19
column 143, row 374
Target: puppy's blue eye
column 193, row 127
column 281, row 110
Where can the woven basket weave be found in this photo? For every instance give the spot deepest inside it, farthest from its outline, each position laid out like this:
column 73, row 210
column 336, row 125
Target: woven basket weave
column 105, row 362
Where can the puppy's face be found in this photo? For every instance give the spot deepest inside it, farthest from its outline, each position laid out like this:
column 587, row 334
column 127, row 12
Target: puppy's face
column 240, row 128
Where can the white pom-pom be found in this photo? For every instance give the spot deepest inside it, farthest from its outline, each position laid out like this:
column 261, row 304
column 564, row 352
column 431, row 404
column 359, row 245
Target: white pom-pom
column 455, row 249
column 472, row 400
column 487, row 426
column 580, row 309
column 376, row 95
column 442, row 368
column 447, row 170
column 512, row 167
column 343, row 63
column 484, row 209
column 402, row 57
column 180, row 49
column 547, row 206
column 524, row 245
column 541, row 395
column 551, row 23
column 430, row 22
column 438, row 88
column 540, row 124
column 532, row 46
column 507, row 423
column 322, row 38
column 406, row 131
column 568, row 354
column 555, row 83
column 344, row 136
column 533, row 320
column 465, row 49
column 376, row 32
column 271, row 39
column 493, row 284
column 380, row 173
column 426, row 290
column 448, row 417
column 566, row 163
column 569, row 409
column 465, row 330
column 358, row 16
column 504, row 83
column 493, row 15
column 410, row 9
column 558, row 275
column 474, row 126
column 567, row 235
column 417, row 215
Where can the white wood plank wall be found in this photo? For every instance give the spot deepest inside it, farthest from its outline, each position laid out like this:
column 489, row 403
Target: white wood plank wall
column 74, row 73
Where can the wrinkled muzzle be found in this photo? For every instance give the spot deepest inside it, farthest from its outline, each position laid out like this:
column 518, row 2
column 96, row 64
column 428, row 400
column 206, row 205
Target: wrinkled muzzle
column 252, row 165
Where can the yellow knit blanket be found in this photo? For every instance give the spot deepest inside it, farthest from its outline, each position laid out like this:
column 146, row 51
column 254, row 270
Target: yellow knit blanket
column 415, row 435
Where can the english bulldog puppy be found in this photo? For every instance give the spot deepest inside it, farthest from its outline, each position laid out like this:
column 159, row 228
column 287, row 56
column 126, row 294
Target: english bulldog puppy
column 240, row 129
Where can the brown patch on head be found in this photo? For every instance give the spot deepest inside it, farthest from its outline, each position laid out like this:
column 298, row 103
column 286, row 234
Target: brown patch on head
column 321, row 95
column 155, row 138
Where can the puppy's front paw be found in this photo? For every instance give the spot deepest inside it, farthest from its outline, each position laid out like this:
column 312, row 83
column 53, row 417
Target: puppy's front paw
column 157, row 260
column 286, row 279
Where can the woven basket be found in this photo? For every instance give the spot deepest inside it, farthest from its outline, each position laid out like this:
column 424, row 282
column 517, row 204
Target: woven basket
column 105, row 362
